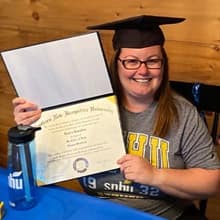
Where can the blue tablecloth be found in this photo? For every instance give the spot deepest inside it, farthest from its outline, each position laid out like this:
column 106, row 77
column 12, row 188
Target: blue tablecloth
column 57, row 203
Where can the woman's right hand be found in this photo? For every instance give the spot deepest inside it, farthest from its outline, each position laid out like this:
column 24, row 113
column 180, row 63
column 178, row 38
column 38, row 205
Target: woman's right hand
column 25, row 112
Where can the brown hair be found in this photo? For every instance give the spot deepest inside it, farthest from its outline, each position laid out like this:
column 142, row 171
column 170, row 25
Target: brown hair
column 166, row 113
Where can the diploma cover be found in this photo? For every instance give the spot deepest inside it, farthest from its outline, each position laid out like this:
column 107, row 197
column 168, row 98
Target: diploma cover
column 80, row 126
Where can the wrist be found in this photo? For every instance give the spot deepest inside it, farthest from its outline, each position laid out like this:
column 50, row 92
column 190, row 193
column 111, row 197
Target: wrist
column 158, row 177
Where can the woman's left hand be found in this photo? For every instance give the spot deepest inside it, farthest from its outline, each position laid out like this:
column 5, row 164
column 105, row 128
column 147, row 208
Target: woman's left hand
column 137, row 169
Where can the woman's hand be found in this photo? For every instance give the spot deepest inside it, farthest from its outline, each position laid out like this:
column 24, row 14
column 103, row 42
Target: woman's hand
column 25, row 112
column 137, row 169
column 182, row 183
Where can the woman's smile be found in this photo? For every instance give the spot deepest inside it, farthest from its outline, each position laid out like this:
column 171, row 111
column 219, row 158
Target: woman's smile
column 142, row 80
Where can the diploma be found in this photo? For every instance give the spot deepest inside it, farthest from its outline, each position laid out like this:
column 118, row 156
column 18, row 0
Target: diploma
column 78, row 140
column 80, row 127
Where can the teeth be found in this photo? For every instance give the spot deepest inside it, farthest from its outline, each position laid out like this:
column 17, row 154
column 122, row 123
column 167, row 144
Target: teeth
column 142, row 80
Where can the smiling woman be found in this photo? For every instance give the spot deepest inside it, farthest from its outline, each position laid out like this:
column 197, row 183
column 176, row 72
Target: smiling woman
column 162, row 149
column 192, row 48
column 169, row 162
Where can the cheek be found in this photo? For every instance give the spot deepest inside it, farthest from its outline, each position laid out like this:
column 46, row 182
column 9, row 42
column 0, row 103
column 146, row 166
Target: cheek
column 158, row 75
column 157, row 79
column 123, row 74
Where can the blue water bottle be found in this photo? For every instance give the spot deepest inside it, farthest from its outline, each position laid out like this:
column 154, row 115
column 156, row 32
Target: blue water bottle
column 21, row 167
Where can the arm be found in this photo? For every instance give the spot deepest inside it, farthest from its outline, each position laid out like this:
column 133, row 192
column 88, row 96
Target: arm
column 192, row 183
column 25, row 112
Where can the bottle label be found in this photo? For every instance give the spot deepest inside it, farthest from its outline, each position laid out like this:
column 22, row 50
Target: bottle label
column 15, row 180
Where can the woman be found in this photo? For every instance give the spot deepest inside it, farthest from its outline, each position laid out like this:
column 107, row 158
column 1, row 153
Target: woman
column 171, row 160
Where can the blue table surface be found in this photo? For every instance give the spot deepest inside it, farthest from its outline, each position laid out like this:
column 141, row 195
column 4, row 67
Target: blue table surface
column 62, row 204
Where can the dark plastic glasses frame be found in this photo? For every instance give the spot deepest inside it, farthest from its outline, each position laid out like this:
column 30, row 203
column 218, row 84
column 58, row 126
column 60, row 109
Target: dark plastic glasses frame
column 148, row 63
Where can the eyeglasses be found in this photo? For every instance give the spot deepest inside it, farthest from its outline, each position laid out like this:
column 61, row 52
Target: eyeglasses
column 134, row 64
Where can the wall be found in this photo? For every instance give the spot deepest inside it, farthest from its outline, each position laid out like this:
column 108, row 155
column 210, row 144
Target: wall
column 193, row 46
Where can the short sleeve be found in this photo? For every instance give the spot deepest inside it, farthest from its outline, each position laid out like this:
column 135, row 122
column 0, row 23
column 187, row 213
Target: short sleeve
column 197, row 147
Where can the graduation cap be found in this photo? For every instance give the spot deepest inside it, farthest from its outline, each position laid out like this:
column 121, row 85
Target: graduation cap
column 137, row 32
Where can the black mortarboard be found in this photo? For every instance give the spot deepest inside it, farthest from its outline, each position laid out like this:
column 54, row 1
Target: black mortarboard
column 137, row 32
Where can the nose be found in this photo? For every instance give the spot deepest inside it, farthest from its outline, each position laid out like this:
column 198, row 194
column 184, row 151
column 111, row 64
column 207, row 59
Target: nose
column 143, row 68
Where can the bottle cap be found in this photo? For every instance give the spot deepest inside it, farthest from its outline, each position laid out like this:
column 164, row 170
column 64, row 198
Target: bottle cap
column 22, row 134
